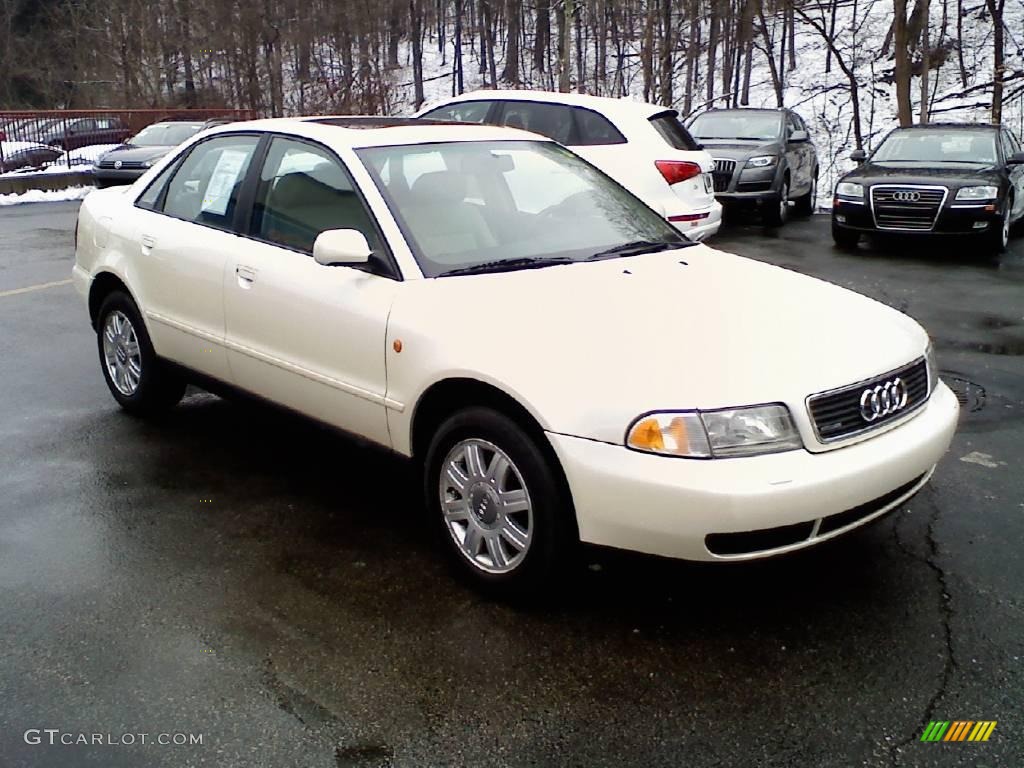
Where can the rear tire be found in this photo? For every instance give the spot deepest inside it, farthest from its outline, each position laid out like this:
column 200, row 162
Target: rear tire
column 777, row 211
column 497, row 503
column 845, row 239
column 140, row 381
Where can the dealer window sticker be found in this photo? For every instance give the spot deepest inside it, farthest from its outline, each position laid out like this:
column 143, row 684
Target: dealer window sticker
column 225, row 175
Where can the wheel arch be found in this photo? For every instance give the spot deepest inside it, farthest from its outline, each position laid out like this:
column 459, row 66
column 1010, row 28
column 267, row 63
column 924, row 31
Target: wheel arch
column 103, row 284
column 447, row 396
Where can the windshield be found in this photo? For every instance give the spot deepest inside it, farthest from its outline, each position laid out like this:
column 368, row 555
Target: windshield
column 938, row 146
column 760, row 126
column 523, row 203
column 165, row 134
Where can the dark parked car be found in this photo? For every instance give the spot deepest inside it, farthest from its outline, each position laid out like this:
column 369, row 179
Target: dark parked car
column 125, row 164
column 763, row 157
column 26, row 128
column 15, row 155
column 937, row 179
column 84, row 131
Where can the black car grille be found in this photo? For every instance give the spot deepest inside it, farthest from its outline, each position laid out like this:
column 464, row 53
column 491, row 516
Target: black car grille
column 837, row 414
column 722, row 174
column 907, row 208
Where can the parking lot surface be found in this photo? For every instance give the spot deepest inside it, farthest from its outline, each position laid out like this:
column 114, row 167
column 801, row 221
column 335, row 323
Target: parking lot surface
column 239, row 574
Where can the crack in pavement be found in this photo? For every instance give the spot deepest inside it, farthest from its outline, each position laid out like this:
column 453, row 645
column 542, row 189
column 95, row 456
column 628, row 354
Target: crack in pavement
column 945, row 611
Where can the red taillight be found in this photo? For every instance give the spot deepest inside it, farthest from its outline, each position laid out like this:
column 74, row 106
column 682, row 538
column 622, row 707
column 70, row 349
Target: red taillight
column 689, row 217
column 675, row 171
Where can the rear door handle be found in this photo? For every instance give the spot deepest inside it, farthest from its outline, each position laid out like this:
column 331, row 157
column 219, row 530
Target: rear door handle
column 246, row 275
column 148, row 243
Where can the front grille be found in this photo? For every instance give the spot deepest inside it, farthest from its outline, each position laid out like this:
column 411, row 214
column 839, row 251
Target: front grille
column 125, row 164
column 907, row 208
column 767, row 539
column 837, row 414
column 723, row 172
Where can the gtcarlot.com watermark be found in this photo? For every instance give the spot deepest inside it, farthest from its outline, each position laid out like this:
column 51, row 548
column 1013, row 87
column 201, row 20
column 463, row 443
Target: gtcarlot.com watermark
column 55, row 736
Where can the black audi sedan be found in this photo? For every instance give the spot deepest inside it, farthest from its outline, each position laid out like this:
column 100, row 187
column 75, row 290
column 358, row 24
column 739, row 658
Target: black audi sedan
column 940, row 179
column 762, row 157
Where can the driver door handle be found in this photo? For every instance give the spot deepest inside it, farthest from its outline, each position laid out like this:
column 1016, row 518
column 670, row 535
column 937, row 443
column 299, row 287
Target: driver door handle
column 246, row 275
column 148, row 242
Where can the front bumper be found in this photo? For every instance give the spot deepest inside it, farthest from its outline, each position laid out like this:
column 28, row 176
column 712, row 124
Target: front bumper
column 953, row 219
column 670, row 506
column 747, row 185
column 112, row 176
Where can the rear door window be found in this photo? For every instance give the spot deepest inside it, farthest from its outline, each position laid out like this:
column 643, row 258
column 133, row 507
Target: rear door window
column 463, row 112
column 552, row 120
column 674, row 133
column 205, row 187
column 593, row 129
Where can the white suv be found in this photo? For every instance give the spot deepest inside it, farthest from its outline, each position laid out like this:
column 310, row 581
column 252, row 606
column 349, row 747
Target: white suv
column 642, row 146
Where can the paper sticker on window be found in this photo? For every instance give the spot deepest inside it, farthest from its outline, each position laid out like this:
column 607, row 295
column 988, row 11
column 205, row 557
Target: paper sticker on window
column 222, row 180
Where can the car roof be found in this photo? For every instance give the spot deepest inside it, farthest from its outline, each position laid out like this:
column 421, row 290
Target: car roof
column 748, row 109
column 603, row 104
column 368, row 131
column 951, row 126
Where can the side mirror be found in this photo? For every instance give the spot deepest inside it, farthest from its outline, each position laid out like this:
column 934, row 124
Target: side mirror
column 1017, row 158
column 798, row 137
column 341, row 247
column 858, row 155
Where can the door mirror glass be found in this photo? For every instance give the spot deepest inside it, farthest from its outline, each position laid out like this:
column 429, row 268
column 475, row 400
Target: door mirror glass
column 1017, row 158
column 858, row 155
column 341, row 247
column 799, row 136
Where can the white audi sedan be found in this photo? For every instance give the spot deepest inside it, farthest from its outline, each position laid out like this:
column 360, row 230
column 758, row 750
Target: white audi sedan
column 559, row 360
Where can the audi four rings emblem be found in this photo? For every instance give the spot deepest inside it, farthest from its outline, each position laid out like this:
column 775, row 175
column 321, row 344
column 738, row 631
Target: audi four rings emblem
column 883, row 399
column 906, row 197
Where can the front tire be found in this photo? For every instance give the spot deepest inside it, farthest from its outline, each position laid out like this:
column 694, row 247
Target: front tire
column 846, row 239
column 998, row 238
column 777, row 211
column 139, row 381
column 498, row 504
column 805, row 204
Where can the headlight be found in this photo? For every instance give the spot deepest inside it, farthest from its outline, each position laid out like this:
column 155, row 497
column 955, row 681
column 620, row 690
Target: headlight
column 763, row 161
column 148, row 163
column 932, row 366
column 977, row 193
column 716, row 434
column 849, row 189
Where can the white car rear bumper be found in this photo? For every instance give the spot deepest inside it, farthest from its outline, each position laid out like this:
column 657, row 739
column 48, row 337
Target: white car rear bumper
column 669, row 506
column 703, row 228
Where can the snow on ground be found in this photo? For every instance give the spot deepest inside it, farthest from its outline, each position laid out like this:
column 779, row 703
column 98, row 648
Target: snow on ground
column 45, row 195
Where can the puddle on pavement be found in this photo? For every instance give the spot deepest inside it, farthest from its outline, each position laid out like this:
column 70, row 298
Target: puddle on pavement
column 971, row 396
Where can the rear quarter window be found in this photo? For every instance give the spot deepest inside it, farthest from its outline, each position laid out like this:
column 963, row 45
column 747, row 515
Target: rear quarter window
column 673, row 132
column 593, row 129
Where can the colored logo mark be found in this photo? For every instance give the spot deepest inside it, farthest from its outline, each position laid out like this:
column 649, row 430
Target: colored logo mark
column 958, row 730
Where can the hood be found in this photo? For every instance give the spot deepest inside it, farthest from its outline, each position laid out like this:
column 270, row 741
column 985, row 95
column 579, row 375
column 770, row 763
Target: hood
column 590, row 346
column 740, row 150
column 956, row 174
column 131, row 153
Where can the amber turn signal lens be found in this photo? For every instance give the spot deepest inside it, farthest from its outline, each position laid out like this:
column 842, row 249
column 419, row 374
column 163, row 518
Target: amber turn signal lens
column 646, row 436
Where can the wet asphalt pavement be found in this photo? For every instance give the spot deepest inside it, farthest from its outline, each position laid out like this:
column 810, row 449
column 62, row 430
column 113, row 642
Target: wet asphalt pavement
column 239, row 574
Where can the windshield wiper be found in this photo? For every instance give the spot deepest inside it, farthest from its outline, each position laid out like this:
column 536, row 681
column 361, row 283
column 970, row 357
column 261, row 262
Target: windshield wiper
column 636, row 248
column 506, row 265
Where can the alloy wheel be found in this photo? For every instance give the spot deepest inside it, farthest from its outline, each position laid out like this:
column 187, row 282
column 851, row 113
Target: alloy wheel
column 121, row 353
column 486, row 506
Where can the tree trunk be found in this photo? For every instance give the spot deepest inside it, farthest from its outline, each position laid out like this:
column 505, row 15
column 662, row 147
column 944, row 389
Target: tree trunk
column 514, row 19
column 995, row 8
column 925, row 60
column 901, row 71
column 542, row 35
column 416, row 19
